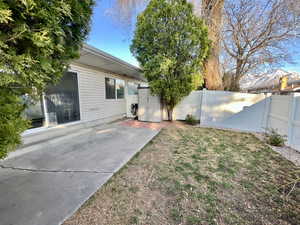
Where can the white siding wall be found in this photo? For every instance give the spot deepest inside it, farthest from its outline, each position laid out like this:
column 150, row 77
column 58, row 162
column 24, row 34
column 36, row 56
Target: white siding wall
column 93, row 105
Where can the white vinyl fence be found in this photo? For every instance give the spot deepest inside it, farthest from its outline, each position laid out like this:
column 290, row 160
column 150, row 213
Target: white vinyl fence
column 253, row 112
column 284, row 116
column 188, row 106
column 234, row 110
column 278, row 113
column 294, row 124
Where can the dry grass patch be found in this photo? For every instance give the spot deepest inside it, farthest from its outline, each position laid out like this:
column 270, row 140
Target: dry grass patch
column 191, row 176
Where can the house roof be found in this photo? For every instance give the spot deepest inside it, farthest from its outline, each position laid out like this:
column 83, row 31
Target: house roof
column 293, row 85
column 92, row 56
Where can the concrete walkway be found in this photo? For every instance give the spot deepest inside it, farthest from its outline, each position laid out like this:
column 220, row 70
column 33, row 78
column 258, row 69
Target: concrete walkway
column 46, row 186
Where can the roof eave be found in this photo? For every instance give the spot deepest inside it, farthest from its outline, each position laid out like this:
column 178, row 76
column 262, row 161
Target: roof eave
column 97, row 52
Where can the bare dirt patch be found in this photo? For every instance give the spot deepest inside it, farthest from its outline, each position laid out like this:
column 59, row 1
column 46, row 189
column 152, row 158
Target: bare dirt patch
column 190, row 175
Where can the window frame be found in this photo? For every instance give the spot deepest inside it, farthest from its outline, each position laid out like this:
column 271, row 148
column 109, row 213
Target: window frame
column 116, row 81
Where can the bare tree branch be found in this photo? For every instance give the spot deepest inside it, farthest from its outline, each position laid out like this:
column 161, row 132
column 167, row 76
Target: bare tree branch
column 257, row 33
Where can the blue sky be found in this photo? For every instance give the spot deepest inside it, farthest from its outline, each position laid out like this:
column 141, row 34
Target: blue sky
column 107, row 35
column 114, row 39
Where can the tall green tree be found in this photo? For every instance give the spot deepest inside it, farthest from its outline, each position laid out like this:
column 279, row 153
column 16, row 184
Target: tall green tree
column 38, row 39
column 171, row 44
column 211, row 11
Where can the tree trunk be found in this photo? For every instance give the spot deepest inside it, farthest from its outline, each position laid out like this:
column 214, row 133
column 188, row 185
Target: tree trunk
column 212, row 12
column 170, row 114
column 234, row 84
column 235, row 79
column 212, row 73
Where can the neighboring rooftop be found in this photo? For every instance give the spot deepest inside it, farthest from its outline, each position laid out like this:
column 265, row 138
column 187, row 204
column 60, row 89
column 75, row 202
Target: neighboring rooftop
column 267, row 80
column 94, row 57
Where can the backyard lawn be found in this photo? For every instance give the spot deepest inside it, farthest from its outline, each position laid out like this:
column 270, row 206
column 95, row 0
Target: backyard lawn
column 189, row 175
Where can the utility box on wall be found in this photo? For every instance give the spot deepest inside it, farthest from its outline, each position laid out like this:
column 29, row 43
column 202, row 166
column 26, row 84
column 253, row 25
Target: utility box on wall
column 149, row 106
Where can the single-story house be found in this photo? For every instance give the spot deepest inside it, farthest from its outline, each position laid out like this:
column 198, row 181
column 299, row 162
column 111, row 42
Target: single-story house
column 97, row 88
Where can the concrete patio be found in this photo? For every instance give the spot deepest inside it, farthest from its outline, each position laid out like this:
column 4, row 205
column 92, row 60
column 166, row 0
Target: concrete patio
column 48, row 185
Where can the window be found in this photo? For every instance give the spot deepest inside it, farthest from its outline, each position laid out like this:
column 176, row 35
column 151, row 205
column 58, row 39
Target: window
column 132, row 88
column 114, row 88
column 110, row 88
column 120, row 89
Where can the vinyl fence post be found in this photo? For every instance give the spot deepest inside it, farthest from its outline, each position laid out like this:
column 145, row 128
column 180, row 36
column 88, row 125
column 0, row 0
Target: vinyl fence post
column 202, row 103
column 292, row 111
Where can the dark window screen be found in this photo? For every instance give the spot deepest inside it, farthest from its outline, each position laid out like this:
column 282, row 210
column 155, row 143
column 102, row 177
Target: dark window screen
column 110, row 88
column 62, row 100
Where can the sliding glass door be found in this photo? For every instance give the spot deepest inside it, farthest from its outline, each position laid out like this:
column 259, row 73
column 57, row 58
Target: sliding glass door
column 58, row 105
column 62, row 100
